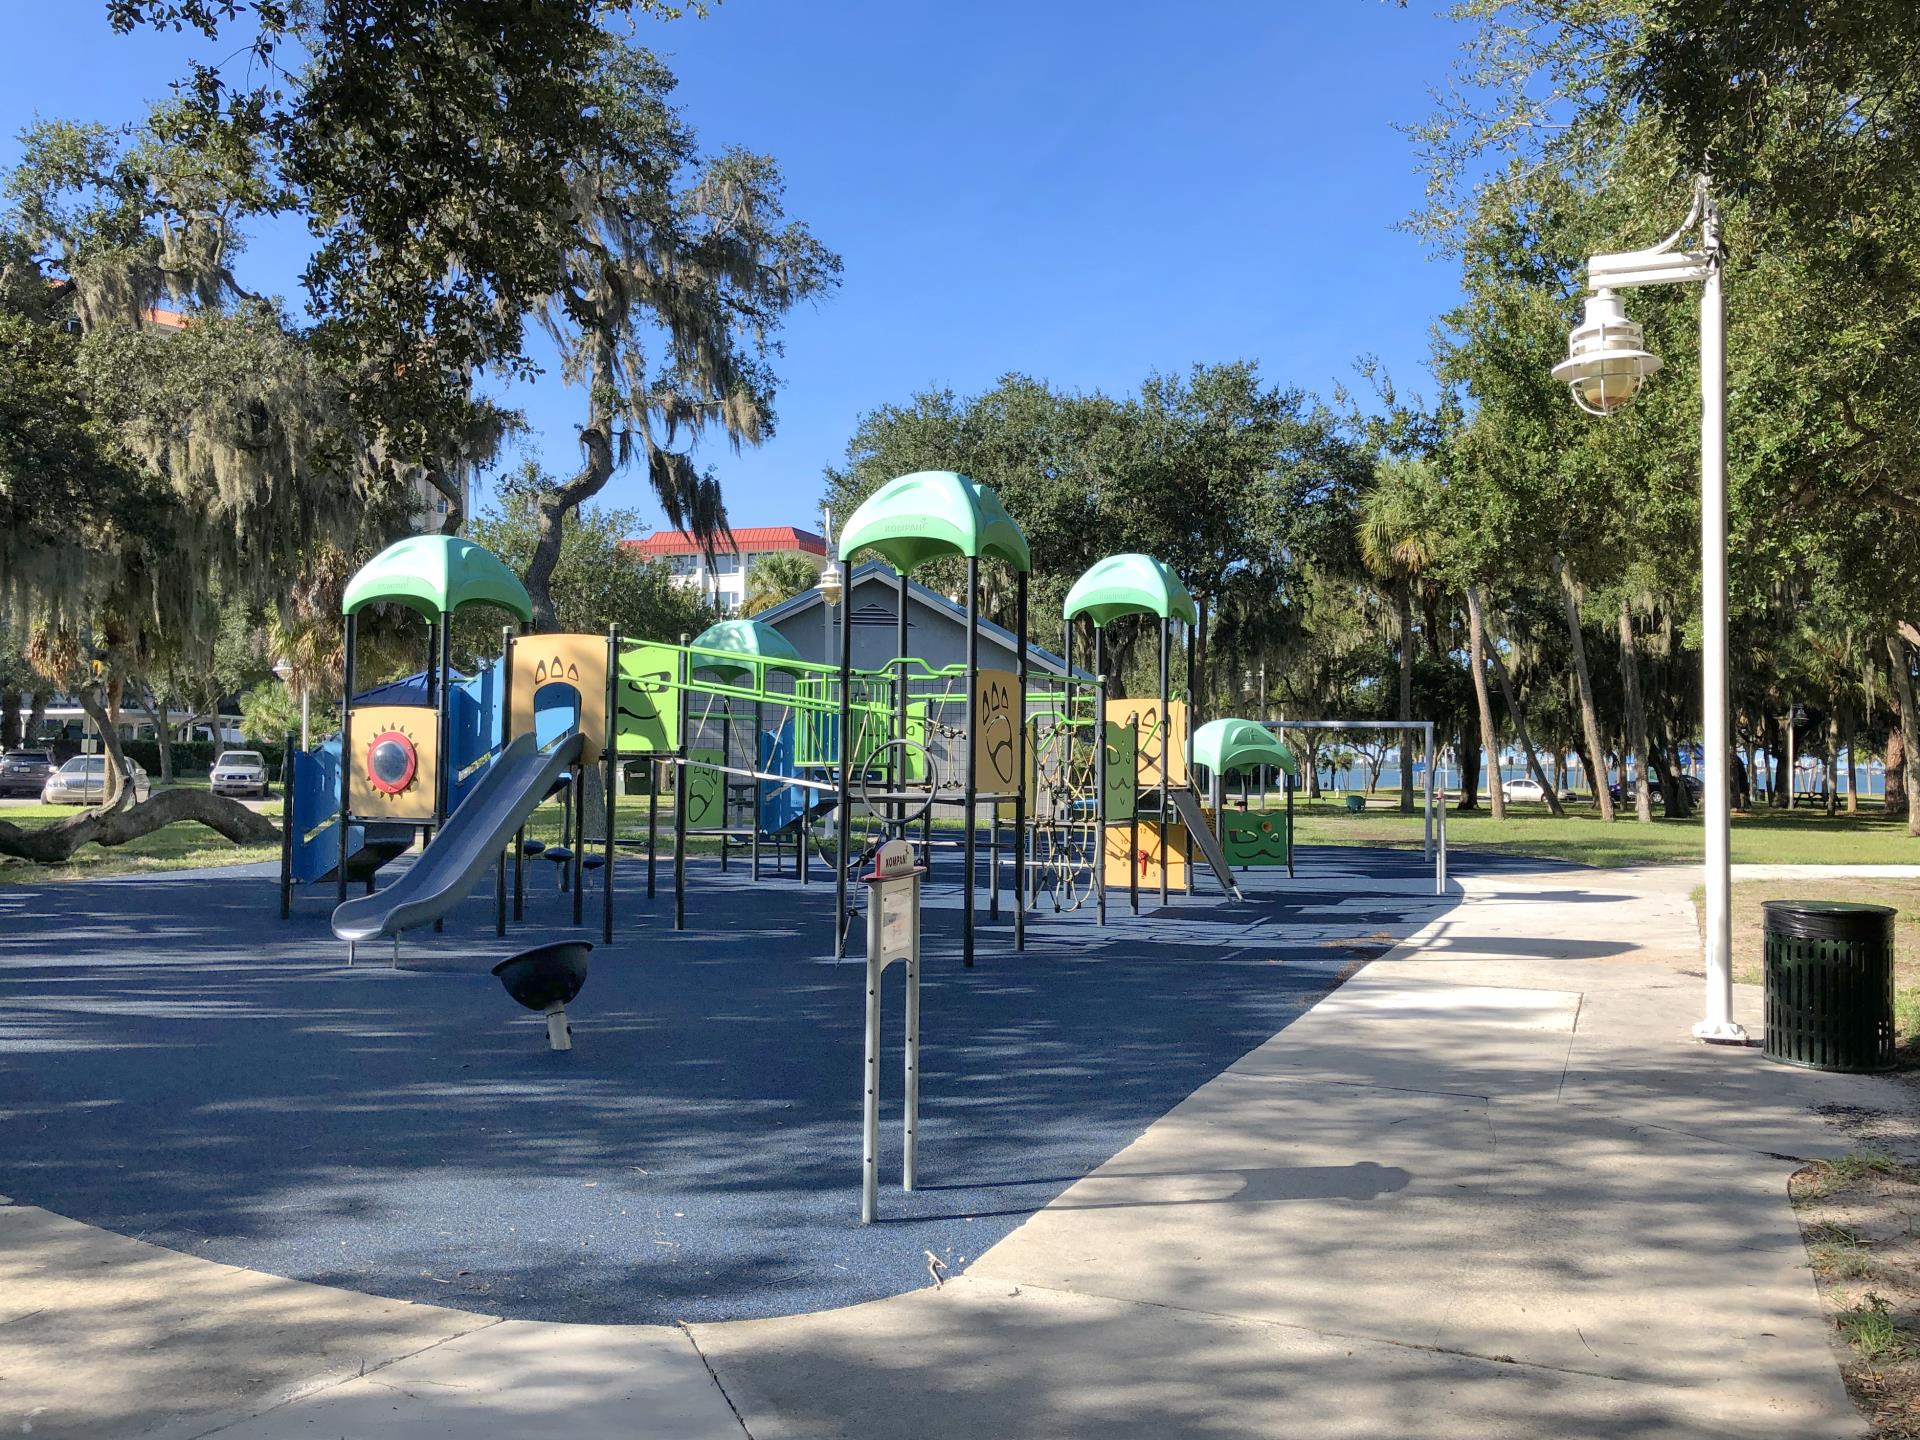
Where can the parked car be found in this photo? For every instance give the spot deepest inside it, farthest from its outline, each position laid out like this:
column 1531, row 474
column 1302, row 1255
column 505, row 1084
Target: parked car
column 83, row 781
column 1623, row 795
column 1526, row 788
column 25, row 772
column 240, row 772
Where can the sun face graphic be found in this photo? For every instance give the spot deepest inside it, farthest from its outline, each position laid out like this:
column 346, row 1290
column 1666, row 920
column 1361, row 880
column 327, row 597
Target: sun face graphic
column 393, row 762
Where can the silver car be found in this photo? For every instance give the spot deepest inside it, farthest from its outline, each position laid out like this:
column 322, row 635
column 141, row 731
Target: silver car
column 83, row 781
column 240, row 772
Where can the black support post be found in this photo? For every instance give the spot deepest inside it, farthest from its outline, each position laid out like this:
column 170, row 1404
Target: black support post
column 1100, row 774
column 506, row 734
column 845, row 745
column 286, row 825
column 680, row 799
column 1020, row 765
column 973, row 780
column 346, row 750
column 610, row 759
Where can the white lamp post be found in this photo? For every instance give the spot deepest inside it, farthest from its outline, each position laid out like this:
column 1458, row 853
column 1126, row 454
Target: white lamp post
column 1605, row 367
column 283, row 668
column 832, row 585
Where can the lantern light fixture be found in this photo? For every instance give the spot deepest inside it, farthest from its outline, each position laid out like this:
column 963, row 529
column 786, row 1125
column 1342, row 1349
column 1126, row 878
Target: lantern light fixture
column 1607, row 361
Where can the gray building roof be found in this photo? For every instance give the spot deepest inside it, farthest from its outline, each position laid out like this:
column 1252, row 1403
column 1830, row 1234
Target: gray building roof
column 941, row 624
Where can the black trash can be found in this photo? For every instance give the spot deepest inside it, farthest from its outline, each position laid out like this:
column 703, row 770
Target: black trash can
column 1829, row 971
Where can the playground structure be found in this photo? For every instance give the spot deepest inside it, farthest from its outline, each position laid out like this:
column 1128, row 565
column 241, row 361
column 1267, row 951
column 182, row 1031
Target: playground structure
column 1075, row 790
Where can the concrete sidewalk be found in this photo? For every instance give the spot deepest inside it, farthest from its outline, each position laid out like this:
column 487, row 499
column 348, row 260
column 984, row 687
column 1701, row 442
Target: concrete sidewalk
column 1487, row 1188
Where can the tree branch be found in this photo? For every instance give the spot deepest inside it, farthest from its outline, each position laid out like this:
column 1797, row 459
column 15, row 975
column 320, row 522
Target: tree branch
column 52, row 844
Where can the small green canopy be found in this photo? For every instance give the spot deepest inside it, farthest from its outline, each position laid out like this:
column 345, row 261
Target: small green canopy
column 930, row 513
column 1224, row 746
column 750, row 640
column 1130, row 585
column 436, row 575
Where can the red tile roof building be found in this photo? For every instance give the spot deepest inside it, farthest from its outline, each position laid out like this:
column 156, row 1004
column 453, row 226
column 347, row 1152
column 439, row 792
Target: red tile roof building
column 748, row 540
column 725, row 577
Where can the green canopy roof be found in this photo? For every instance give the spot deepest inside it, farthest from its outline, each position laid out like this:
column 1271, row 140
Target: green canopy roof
column 748, row 639
column 436, row 575
column 1130, row 585
column 930, row 513
column 1224, row 746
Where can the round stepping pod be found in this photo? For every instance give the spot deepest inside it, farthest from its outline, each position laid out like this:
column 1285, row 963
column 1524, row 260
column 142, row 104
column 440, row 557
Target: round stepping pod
column 531, row 848
column 546, row 978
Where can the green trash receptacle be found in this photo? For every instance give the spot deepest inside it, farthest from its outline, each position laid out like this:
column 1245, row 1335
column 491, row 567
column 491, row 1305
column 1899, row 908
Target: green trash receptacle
column 1829, row 975
column 1356, row 803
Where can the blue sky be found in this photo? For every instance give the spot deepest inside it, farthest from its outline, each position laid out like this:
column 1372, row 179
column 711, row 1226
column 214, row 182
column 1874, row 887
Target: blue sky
column 1085, row 192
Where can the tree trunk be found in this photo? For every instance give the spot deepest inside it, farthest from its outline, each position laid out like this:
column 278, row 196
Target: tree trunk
column 1583, row 683
column 1311, row 747
column 553, row 506
column 52, row 844
column 1833, row 762
column 549, row 518
column 36, row 716
column 1519, row 717
column 1406, row 694
column 156, row 713
column 1909, row 729
column 1489, row 741
column 1849, row 734
column 9, row 718
column 1894, row 781
column 116, row 792
column 1196, row 712
column 1636, row 719
column 1468, row 751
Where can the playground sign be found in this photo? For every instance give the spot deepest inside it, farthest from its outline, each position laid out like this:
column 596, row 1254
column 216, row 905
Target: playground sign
column 893, row 933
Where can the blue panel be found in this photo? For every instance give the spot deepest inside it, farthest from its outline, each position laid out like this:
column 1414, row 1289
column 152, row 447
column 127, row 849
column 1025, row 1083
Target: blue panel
column 556, row 710
column 407, row 690
column 473, row 721
column 781, row 805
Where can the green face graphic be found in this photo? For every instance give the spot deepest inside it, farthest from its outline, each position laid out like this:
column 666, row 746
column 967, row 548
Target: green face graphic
column 1254, row 838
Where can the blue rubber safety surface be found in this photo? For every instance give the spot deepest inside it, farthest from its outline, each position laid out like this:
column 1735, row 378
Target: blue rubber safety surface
column 179, row 1065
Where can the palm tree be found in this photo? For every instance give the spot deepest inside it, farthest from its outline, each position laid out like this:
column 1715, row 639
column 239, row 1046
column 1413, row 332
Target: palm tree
column 1399, row 544
column 778, row 577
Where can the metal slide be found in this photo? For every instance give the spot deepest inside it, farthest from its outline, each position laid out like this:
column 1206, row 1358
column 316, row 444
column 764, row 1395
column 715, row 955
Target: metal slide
column 1201, row 835
column 467, row 846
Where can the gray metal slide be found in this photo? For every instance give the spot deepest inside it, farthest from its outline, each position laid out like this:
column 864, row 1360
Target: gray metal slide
column 467, row 845
column 1202, row 836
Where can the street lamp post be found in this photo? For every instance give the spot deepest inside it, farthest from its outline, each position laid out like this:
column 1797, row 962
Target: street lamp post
column 1605, row 367
column 832, row 586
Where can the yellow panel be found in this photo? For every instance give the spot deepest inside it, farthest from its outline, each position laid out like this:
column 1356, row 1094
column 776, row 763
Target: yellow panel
column 996, row 711
column 1144, row 716
column 1030, row 781
column 578, row 661
column 1149, row 856
column 417, row 729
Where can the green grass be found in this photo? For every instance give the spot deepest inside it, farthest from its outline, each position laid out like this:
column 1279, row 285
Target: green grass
column 1760, row 837
column 1839, row 1253
column 188, row 846
column 175, row 847
column 1870, row 1328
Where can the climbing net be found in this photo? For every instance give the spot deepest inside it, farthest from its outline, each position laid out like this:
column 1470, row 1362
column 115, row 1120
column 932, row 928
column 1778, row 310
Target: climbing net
column 1066, row 827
